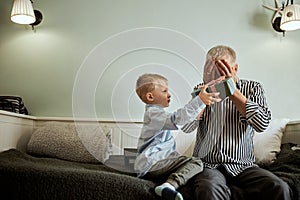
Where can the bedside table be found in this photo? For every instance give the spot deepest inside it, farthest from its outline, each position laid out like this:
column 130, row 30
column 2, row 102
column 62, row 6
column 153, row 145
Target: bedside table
column 122, row 164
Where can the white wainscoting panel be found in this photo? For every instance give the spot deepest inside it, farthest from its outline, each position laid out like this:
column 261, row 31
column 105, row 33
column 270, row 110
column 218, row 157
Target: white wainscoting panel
column 15, row 130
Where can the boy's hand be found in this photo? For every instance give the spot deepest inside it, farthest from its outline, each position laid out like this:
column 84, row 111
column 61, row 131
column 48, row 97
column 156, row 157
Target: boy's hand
column 208, row 98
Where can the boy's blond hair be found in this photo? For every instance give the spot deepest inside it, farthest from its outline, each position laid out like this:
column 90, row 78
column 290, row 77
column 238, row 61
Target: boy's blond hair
column 146, row 83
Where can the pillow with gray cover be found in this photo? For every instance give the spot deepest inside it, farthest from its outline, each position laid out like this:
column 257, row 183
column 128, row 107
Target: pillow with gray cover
column 268, row 143
column 80, row 141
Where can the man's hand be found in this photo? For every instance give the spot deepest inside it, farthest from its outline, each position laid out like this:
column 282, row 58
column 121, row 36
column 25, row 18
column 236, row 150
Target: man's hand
column 224, row 68
column 237, row 98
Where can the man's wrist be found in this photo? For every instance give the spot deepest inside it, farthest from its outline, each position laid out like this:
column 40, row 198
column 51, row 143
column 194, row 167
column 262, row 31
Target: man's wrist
column 230, row 86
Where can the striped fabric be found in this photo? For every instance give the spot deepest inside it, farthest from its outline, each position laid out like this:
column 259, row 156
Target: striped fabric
column 13, row 104
column 224, row 137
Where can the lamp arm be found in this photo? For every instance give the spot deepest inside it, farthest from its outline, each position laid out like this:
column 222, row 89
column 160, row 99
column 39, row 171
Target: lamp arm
column 271, row 8
column 276, row 3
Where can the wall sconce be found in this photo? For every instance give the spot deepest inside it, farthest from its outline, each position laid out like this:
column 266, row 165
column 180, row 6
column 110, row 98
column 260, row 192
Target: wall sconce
column 289, row 18
column 23, row 13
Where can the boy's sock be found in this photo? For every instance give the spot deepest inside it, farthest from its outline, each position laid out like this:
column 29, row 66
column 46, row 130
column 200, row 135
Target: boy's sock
column 167, row 191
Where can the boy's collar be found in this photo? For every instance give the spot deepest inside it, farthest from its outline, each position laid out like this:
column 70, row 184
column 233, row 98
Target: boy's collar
column 154, row 105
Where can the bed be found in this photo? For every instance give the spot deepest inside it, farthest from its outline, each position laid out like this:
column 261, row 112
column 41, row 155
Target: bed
column 58, row 165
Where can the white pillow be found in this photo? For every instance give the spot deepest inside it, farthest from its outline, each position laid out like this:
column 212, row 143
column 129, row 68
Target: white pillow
column 267, row 144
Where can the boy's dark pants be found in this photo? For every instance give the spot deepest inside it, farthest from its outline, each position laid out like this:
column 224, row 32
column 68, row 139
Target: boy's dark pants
column 176, row 170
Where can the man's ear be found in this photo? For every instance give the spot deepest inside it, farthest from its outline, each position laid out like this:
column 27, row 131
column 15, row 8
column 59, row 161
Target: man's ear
column 236, row 67
column 149, row 96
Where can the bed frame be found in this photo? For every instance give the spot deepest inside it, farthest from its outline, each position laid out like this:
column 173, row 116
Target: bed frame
column 72, row 179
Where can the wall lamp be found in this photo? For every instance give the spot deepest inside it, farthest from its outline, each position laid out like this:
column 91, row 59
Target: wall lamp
column 289, row 16
column 23, row 13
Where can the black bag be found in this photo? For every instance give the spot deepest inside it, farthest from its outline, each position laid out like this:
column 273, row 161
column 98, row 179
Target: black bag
column 13, row 104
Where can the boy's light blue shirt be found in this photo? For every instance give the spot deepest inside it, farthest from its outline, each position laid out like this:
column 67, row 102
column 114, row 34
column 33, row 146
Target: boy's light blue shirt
column 156, row 141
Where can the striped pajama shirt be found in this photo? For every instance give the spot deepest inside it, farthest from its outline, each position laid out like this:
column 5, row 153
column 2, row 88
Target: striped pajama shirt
column 224, row 136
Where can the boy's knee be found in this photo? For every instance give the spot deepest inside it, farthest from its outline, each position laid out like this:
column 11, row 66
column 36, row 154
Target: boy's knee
column 197, row 162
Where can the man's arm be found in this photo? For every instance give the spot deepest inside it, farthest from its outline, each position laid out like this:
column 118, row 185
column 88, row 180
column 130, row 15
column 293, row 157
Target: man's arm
column 239, row 101
column 254, row 107
column 257, row 111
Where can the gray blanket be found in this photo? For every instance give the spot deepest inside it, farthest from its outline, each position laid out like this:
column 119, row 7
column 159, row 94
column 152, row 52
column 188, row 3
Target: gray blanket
column 27, row 177
column 287, row 167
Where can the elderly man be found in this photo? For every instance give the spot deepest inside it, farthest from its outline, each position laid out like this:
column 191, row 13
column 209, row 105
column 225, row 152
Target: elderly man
column 225, row 134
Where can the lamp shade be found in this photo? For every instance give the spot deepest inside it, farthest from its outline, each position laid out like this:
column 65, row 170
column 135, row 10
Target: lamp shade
column 290, row 19
column 22, row 12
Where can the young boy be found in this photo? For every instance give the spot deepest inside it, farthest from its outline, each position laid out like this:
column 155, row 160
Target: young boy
column 156, row 156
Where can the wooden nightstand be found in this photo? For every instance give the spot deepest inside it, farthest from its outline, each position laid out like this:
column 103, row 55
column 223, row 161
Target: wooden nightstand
column 123, row 163
column 130, row 156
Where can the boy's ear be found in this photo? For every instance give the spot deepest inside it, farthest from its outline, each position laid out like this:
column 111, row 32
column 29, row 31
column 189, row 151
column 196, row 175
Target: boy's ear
column 149, row 96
